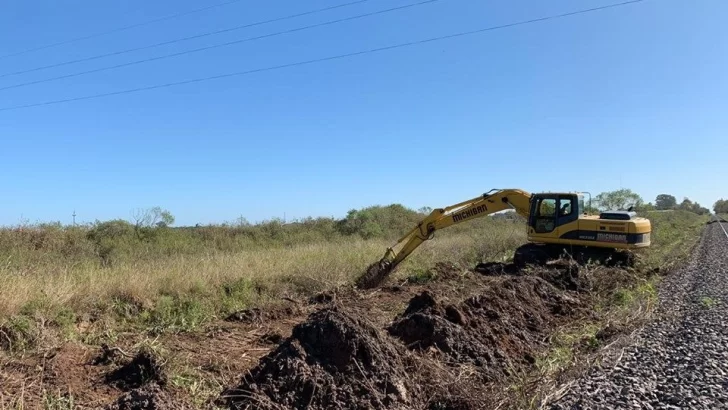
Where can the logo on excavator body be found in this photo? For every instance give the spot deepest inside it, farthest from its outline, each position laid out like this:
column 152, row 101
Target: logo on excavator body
column 470, row 212
column 612, row 237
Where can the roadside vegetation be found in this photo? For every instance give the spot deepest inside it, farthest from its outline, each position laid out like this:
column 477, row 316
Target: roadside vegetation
column 147, row 274
column 96, row 282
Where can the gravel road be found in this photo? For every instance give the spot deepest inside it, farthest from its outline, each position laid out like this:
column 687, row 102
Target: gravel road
column 679, row 361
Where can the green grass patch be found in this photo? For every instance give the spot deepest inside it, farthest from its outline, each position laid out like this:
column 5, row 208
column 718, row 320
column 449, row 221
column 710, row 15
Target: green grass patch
column 674, row 234
column 58, row 402
column 708, row 302
column 175, row 314
column 565, row 344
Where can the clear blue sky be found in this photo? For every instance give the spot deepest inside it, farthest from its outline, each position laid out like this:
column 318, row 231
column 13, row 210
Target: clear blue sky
column 633, row 96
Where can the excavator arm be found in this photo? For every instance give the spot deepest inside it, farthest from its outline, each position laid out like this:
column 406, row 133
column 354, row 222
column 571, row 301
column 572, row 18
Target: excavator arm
column 491, row 202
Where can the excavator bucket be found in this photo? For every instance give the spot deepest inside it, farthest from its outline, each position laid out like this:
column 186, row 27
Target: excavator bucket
column 375, row 274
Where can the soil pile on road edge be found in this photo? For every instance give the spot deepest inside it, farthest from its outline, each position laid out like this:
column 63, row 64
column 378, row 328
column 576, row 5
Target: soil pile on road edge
column 332, row 360
column 497, row 330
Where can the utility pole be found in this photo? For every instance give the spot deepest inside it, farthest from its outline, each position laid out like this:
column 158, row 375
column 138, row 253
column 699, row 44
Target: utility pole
column 74, row 217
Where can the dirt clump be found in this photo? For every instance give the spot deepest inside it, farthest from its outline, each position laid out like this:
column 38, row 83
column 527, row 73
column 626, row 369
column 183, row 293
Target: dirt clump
column 565, row 275
column 109, row 355
column 332, row 360
column 272, row 338
column 447, row 271
column 496, row 269
column 499, row 329
column 142, row 369
column 150, row 397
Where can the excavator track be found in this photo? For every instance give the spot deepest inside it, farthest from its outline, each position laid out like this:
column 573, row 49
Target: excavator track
column 541, row 254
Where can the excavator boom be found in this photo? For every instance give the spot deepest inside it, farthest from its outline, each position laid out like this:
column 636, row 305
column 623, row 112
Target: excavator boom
column 491, row 202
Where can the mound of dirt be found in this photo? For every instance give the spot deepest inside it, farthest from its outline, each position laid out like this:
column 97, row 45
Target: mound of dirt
column 446, row 271
column 564, row 275
column 332, row 360
column 143, row 369
column 497, row 330
column 151, row 397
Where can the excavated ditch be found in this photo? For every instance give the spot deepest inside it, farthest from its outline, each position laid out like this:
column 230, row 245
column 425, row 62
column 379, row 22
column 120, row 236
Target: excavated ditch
column 338, row 359
column 497, row 330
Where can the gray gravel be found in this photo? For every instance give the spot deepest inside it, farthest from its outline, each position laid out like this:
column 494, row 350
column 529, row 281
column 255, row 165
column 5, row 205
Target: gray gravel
column 680, row 361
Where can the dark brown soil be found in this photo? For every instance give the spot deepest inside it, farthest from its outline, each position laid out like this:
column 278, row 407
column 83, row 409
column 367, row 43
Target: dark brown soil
column 273, row 338
column 500, row 329
column 143, row 369
column 332, row 360
column 565, row 275
column 496, row 268
column 338, row 359
column 150, row 397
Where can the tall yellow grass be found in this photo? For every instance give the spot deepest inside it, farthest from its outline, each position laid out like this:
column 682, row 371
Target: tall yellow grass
column 46, row 288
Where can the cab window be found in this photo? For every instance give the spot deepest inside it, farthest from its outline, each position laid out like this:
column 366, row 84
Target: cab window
column 547, row 207
column 566, row 206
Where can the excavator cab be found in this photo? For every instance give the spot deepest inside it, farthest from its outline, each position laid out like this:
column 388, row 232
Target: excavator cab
column 549, row 211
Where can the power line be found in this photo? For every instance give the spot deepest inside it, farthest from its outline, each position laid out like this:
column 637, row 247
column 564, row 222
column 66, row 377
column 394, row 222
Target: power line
column 179, row 40
column 324, row 59
column 119, row 29
column 219, row 45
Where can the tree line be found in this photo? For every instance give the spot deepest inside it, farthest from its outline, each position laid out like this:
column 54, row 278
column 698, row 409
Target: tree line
column 624, row 199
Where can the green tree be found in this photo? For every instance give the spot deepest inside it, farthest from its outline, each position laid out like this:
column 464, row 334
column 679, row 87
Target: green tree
column 665, row 202
column 106, row 237
column 694, row 207
column 685, row 205
column 721, row 206
column 620, row 199
column 152, row 217
column 146, row 220
column 379, row 221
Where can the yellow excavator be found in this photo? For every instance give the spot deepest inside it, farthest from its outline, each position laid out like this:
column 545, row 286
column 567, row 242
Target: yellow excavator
column 558, row 223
